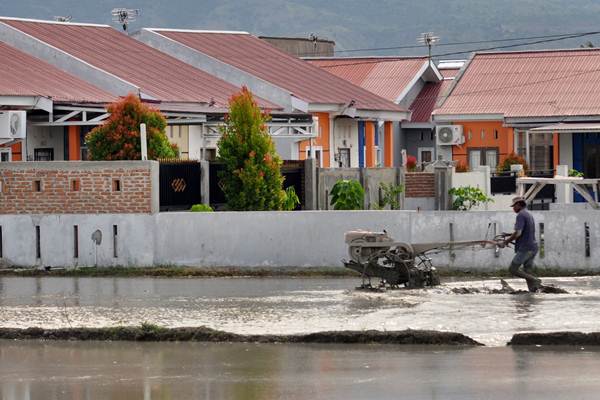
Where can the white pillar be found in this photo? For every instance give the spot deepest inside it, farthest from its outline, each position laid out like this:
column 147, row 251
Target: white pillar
column 527, row 150
column 144, row 141
column 564, row 193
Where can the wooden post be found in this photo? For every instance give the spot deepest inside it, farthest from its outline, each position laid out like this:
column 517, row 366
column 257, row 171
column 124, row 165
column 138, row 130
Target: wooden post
column 388, row 144
column 370, row 141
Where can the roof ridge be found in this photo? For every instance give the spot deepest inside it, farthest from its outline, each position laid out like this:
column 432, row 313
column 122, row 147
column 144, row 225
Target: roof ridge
column 45, row 21
column 197, row 31
column 333, row 58
column 573, row 49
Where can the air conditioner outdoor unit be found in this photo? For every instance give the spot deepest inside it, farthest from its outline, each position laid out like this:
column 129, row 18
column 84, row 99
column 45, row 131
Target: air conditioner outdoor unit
column 449, row 135
column 13, row 125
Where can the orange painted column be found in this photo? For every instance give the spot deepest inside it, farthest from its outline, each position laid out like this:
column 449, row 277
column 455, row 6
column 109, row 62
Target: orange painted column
column 388, row 143
column 17, row 152
column 74, row 143
column 370, row 144
column 555, row 149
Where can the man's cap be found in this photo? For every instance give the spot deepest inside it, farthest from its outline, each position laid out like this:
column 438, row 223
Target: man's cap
column 517, row 200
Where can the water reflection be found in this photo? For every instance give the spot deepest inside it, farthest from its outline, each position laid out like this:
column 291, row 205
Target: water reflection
column 93, row 370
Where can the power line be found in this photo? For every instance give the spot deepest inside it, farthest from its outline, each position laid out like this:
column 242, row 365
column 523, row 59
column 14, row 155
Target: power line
column 471, row 50
column 460, row 43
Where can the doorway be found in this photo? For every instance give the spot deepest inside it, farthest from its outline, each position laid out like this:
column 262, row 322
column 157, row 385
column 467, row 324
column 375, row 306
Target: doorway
column 5, row 154
column 591, row 161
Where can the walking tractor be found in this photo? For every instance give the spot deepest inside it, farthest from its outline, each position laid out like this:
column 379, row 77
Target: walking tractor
column 377, row 255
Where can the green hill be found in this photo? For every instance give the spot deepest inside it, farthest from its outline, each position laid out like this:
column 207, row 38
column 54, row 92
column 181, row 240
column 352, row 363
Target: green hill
column 351, row 23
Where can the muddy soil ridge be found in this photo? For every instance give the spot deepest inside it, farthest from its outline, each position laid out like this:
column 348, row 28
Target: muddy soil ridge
column 153, row 333
column 556, row 339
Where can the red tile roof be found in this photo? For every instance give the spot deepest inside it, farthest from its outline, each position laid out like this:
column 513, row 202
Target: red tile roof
column 24, row 75
column 426, row 100
column 385, row 76
column 528, row 84
column 261, row 59
column 155, row 73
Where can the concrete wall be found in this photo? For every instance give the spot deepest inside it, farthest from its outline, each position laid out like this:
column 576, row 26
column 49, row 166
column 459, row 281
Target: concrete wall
column 369, row 178
column 285, row 239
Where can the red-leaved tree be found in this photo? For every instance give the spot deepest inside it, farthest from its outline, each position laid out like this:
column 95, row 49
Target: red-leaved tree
column 118, row 138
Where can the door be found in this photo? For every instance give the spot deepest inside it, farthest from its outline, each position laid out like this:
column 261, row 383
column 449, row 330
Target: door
column 344, row 154
column 591, row 161
column 425, row 155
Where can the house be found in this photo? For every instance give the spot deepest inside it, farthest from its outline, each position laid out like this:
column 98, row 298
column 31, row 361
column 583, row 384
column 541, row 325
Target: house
column 193, row 100
column 411, row 82
column 543, row 105
column 44, row 93
column 339, row 107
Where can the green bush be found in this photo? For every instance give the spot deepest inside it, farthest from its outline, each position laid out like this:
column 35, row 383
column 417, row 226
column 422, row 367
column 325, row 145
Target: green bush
column 467, row 197
column 201, row 208
column 575, row 173
column 347, row 195
column 251, row 180
column 291, row 199
column 390, row 193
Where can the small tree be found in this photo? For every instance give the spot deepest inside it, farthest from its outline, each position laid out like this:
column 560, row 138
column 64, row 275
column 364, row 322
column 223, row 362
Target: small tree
column 467, row 197
column 347, row 194
column 119, row 137
column 252, row 178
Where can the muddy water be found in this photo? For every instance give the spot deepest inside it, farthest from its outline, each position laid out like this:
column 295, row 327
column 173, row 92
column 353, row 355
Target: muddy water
column 121, row 371
column 283, row 306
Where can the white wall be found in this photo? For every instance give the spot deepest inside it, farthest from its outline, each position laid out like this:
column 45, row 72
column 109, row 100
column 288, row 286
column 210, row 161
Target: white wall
column 480, row 178
column 195, row 142
column 284, row 239
column 46, row 137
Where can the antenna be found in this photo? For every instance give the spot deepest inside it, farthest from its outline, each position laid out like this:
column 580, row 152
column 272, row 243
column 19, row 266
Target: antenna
column 428, row 39
column 61, row 18
column 125, row 15
column 315, row 40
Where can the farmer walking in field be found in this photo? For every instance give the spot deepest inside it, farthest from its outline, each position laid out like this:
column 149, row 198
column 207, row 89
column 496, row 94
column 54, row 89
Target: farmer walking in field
column 526, row 247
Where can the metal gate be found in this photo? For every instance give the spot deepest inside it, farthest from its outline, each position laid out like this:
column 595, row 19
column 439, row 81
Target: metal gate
column 292, row 171
column 179, row 184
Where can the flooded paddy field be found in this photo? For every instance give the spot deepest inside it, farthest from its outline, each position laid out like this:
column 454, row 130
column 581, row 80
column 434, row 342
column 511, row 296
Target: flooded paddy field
column 32, row 370
column 288, row 306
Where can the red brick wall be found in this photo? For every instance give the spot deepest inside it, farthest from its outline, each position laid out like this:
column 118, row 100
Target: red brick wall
column 76, row 187
column 420, row 184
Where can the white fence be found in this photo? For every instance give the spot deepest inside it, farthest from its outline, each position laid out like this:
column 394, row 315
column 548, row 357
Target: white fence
column 571, row 240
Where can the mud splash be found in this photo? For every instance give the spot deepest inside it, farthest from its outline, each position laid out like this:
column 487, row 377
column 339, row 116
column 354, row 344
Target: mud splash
column 154, row 333
column 507, row 289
